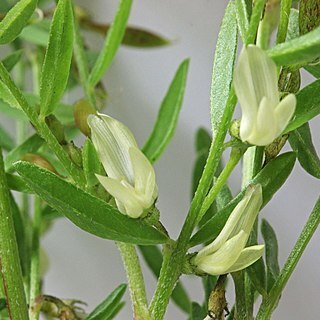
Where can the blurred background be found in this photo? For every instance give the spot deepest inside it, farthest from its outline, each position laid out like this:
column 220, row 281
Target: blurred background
column 87, row 268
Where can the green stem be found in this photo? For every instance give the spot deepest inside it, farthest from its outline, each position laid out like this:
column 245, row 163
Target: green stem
column 81, row 61
column 136, row 282
column 42, row 128
column 9, row 258
column 309, row 229
column 235, row 157
column 171, row 268
column 35, row 260
column 241, row 307
column 284, row 20
column 255, row 20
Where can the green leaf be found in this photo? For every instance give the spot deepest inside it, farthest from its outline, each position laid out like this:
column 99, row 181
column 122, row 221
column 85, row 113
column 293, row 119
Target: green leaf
column 271, row 252
column 112, row 42
column 56, row 66
column 153, row 257
column 30, row 145
column 86, row 211
column 17, row 184
column 271, row 178
column 257, row 275
column 255, row 18
column 222, row 74
column 168, row 115
column 301, row 50
column 91, row 163
column 197, row 312
column 301, row 142
column 6, row 141
column 22, row 240
column 12, row 59
column 37, row 33
column 16, row 19
column 293, row 26
column 308, row 106
column 106, row 308
column 242, row 18
column 203, row 140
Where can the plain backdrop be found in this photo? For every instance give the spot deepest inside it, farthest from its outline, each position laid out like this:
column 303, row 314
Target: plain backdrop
column 88, row 268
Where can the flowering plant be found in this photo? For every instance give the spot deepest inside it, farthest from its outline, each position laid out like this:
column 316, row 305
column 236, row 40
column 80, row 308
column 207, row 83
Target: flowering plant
column 106, row 184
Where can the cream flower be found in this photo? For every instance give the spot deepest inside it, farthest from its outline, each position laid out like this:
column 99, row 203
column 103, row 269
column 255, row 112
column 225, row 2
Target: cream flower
column 228, row 252
column 264, row 116
column 130, row 176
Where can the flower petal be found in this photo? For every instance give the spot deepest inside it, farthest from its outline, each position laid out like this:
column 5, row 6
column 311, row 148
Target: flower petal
column 124, row 195
column 266, row 126
column 112, row 140
column 284, row 112
column 247, row 257
column 144, row 175
column 251, row 210
column 223, row 259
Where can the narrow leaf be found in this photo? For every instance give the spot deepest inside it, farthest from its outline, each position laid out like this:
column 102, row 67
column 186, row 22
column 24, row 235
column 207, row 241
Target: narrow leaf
column 112, row 42
column 301, row 142
column 153, row 257
column 106, row 308
column 222, row 74
column 308, row 106
column 271, row 178
column 86, row 211
column 12, row 59
column 301, row 50
column 197, row 312
column 271, row 252
column 255, row 18
column 242, row 18
column 30, row 145
column 37, row 33
column 56, row 66
column 17, row 184
column 16, row 19
column 168, row 115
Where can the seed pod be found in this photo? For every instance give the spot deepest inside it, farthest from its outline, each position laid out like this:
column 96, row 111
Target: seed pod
column 57, row 128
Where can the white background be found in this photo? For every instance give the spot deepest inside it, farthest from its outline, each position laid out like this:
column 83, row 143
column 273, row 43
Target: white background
column 87, row 268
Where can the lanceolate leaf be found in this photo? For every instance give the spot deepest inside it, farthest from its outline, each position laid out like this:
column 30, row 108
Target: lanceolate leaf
column 301, row 50
column 86, row 211
column 308, row 106
column 168, row 115
column 6, row 141
column 223, row 64
column 301, row 142
column 112, row 42
column 242, row 18
column 16, row 19
column 56, row 66
column 271, row 178
column 12, row 59
column 271, row 253
column 30, row 145
column 106, row 308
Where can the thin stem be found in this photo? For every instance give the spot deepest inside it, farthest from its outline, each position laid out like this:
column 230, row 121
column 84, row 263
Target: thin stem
column 35, row 260
column 171, row 268
column 284, row 20
column 309, row 229
column 136, row 282
column 9, row 258
column 235, row 157
column 255, row 20
column 241, row 307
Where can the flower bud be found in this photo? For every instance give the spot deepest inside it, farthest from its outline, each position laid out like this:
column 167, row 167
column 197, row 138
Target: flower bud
column 82, row 109
column 39, row 161
column 131, row 177
column 56, row 127
column 228, row 252
column 264, row 116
